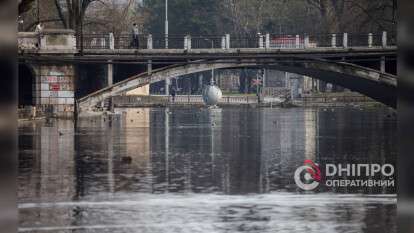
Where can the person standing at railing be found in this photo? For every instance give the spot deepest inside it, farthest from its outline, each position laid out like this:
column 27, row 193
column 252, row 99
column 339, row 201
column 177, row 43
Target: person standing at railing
column 39, row 30
column 135, row 36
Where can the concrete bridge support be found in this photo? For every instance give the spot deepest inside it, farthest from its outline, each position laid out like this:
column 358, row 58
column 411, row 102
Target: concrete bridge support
column 54, row 89
column 110, row 74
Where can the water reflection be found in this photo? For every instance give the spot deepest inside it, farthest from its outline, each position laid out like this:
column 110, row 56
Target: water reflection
column 172, row 166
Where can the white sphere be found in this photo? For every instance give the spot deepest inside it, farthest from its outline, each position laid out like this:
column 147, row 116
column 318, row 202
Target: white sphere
column 212, row 95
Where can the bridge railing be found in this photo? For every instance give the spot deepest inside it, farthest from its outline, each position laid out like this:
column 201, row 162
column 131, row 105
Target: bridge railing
column 265, row 41
column 241, row 42
column 96, row 41
column 206, row 42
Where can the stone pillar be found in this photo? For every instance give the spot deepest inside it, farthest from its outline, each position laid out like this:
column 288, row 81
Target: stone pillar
column 149, row 67
column 287, row 80
column 227, row 41
column 333, row 42
column 384, row 39
column 297, row 41
column 187, row 42
column 212, row 81
column 167, row 87
column 383, row 64
column 55, row 89
column 260, row 41
column 200, row 81
column 149, row 42
column 370, row 39
column 110, row 74
column 111, row 41
column 306, row 41
column 110, row 68
column 267, row 41
column 345, row 40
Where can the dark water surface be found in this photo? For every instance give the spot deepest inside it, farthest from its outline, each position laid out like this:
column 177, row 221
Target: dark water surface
column 203, row 170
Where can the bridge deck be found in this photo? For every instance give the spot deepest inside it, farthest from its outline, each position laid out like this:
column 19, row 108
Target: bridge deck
column 197, row 54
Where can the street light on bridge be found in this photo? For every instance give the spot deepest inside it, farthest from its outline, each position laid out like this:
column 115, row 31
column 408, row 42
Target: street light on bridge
column 166, row 24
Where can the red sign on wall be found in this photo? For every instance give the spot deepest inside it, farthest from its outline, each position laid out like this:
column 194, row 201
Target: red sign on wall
column 54, row 86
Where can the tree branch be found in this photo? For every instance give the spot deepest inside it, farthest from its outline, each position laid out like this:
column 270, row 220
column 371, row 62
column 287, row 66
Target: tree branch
column 60, row 13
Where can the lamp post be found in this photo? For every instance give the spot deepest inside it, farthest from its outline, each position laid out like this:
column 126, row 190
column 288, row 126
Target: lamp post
column 166, row 24
column 38, row 11
column 212, row 80
column 167, row 81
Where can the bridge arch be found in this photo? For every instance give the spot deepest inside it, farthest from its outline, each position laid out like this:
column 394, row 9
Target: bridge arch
column 372, row 83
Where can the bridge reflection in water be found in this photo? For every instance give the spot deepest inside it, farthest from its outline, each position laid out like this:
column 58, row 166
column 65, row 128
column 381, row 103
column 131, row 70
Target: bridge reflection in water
column 200, row 170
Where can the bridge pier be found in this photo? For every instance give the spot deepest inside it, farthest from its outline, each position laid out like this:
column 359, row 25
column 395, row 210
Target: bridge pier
column 54, row 89
column 167, row 87
column 110, row 74
column 53, row 83
column 383, row 62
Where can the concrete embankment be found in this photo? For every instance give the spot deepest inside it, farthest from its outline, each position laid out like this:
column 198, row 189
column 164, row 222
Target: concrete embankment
column 135, row 101
column 334, row 99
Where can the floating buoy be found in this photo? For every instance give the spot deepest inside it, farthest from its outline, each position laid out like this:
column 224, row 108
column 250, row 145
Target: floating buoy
column 211, row 95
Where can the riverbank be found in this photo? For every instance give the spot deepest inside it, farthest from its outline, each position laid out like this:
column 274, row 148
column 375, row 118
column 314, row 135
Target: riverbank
column 342, row 99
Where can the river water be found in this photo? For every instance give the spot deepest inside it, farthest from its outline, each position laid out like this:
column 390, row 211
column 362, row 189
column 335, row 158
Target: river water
column 203, row 170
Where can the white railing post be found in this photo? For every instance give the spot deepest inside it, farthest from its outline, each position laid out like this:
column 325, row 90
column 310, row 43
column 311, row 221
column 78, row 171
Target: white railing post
column 260, row 41
column 227, row 41
column 223, row 42
column 306, row 41
column 185, row 42
column 189, row 42
column 345, row 40
column 267, row 41
column 384, row 39
column 111, row 41
column 370, row 40
column 149, row 42
column 297, row 41
column 333, row 42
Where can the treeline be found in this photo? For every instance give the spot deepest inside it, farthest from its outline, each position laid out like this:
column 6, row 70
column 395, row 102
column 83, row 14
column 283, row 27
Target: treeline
column 273, row 16
column 211, row 17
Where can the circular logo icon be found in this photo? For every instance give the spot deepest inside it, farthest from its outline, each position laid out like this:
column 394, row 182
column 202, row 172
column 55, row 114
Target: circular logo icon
column 308, row 176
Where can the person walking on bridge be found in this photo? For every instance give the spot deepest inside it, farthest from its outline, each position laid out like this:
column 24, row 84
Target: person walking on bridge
column 135, row 36
column 173, row 92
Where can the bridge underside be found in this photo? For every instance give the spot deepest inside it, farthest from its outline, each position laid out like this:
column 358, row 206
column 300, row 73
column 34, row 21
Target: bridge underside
column 372, row 83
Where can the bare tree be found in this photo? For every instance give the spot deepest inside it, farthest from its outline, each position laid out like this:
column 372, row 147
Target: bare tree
column 248, row 16
column 113, row 16
column 339, row 15
column 25, row 6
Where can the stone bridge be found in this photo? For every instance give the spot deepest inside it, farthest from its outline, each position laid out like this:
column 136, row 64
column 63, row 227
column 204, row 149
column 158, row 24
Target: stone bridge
column 379, row 86
column 54, row 60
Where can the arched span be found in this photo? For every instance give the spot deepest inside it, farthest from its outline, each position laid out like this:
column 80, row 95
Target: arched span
column 372, row 83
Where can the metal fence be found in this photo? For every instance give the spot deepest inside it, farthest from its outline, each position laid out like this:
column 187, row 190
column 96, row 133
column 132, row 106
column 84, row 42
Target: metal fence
column 206, row 42
column 268, row 41
column 95, row 41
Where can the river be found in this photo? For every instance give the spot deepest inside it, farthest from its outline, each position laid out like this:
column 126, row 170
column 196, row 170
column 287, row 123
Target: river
column 203, row 170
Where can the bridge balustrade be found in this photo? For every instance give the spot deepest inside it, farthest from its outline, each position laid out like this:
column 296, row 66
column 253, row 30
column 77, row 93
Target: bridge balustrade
column 96, row 41
column 261, row 41
column 206, row 42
